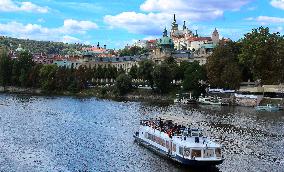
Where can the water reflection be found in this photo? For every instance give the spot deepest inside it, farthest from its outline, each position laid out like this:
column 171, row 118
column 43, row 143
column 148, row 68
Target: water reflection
column 71, row 134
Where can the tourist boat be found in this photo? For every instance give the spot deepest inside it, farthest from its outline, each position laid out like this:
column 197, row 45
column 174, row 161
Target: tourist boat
column 210, row 100
column 184, row 145
column 268, row 107
column 184, row 99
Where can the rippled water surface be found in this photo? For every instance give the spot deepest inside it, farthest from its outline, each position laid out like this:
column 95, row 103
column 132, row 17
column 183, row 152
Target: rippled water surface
column 71, row 134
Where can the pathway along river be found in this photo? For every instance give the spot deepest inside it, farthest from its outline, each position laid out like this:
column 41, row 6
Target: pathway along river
column 70, row 134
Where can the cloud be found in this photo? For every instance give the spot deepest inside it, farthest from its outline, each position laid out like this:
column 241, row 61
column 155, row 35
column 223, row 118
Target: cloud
column 70, row 39
column 11, row 6
column 38, row 32
column 149, row 24
column 277, row 4
column 267, row 20
column 71, row 25
column 156, row 14
column 192, row 5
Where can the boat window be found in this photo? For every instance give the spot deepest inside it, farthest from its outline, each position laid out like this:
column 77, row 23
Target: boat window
column 218, row 152
column 174, row 147
column 194, row 134
column 195, row 153
column 208, row 153
column 181, row 150
column 186, row 152
column 167, row 145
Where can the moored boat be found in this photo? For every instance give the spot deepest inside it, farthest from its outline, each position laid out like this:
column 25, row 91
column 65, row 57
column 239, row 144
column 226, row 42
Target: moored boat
column 210, row 100
column 184, row 145
column 184, row 99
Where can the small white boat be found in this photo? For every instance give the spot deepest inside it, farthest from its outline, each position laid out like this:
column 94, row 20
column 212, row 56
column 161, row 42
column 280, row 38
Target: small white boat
column 184, row 145
column 210, row 100
column 184, row 99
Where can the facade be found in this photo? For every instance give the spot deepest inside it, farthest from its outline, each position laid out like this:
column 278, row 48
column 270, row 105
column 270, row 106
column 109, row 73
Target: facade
column 125, row 63
column 185, row 39
column 164, row 48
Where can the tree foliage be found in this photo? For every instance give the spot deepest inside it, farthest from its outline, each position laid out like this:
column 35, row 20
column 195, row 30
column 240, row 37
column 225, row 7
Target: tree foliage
column 262, row 53
column 223, row 70
column 5, row 69
column 123, row 83
column 162, row 77
column 193, row 77
column 145, row 71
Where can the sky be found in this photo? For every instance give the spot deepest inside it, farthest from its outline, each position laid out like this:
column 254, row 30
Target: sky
column 116, row 23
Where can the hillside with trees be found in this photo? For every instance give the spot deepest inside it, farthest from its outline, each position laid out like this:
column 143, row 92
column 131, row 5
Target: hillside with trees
column 46, row 47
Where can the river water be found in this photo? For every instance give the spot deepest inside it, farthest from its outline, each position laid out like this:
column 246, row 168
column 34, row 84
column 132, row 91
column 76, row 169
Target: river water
column 73, row 134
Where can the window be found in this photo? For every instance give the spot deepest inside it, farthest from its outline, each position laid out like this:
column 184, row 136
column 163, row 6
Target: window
column 186, row 152
column 174, row 148
column 208, row 153
column 195, row 153
column 181, row 150
column 218, row 152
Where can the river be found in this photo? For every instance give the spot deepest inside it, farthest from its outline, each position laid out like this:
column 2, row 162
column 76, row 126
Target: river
column 88, row 134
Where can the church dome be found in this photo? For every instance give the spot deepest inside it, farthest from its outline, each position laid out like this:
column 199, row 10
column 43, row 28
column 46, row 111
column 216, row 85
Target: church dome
column 165, row 41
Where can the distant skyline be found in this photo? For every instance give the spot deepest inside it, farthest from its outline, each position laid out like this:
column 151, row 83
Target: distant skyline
column 116, row 23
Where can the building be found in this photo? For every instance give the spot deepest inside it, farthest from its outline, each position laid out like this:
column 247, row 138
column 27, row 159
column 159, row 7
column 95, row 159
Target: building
column 164, row 48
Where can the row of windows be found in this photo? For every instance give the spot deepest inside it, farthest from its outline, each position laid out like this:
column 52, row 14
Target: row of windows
column 197, row 152
column 161, row 141
column 155, row 139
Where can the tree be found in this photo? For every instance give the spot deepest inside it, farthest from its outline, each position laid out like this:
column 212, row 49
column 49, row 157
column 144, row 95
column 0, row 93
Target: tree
column 222, row 66
column 25, row 64
column 162, row 76
column 193, row 76
column 260, row 53
column 175, row 69
column 145, row 71
column 33, row 79
column 5, row 69
column 134, row 72
column 47, row 74
column 123, row 83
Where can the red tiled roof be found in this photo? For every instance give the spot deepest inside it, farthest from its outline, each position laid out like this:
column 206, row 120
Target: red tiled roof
column 200, row 39
column 152, row 41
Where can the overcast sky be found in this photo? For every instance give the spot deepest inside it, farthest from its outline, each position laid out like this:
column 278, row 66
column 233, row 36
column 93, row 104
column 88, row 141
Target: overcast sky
column 118, row 22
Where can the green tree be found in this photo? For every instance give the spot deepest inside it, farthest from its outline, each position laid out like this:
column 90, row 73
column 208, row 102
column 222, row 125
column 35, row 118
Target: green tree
column 222, row 66
column 123, row 83
column 48, row 80
column 134, row 72
column 34, row 79
column 5, row 69
column 25, row 64
column 260, row 53
column 145, row 71
column 193, row 77
column 162, row 77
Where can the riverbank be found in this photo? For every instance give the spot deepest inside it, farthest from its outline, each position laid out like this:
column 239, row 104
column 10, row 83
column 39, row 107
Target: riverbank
column 99, row 92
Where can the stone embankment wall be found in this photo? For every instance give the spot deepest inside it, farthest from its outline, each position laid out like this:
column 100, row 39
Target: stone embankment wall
column 20, row 90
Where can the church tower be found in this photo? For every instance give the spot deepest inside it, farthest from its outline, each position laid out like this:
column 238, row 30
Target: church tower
column 174, row 26
column 215, row 37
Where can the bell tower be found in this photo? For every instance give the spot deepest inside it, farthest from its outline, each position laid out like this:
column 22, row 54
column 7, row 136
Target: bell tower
column 215, row 37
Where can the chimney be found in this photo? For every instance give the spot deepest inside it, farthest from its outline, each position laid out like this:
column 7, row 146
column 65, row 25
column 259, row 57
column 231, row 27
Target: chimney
column 98, row 46
column 105, row 47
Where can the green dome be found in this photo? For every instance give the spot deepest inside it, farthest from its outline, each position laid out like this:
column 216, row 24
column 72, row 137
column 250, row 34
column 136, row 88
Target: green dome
column 165, row 41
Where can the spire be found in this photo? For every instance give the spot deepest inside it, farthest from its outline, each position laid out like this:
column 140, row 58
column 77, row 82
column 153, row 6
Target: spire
column 196, row 34
column 174, row 17
column 165, row 33
column 184, row 27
